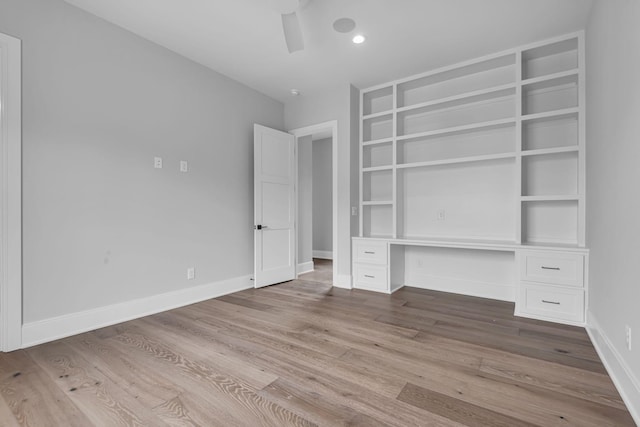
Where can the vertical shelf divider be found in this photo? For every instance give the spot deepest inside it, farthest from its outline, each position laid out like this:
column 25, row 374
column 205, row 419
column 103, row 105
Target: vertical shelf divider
column 360, row 164
column 581, row 142
column 518, row 148
column 394, row 154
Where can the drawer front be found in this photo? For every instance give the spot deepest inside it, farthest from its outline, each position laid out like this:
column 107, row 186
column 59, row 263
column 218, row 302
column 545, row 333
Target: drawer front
column 556, row 268
column 373, row 277
column 374, row 252
column 556, row 303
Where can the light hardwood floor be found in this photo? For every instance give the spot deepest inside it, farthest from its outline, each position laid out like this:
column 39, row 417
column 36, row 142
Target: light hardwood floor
column 303, row 353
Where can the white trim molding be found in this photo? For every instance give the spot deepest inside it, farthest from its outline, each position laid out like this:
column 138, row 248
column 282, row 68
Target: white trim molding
column 625, row 381
column 11, row 186
column 75, row 323
column 323, row 254
column 310, row 130
column 342, row 281
column 305, row 267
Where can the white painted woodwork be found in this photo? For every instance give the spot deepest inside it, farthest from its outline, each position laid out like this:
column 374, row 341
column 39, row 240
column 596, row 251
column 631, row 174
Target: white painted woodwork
column 274, row 206
column 553, row 268
column 11, row 188
column 470, row 164
column 552, row 303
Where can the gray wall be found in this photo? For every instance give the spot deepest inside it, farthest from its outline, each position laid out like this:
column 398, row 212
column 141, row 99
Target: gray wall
column 322, row 202
column 101, row 226
column 613, row 173
column 305, row 200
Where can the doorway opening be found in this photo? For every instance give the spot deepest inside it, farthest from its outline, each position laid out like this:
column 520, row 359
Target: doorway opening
column 316, row 202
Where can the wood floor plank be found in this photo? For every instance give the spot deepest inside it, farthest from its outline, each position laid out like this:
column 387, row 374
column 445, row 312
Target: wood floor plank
column 228, row 389
column 455, row 409
column 305, row 353
column 91, row 391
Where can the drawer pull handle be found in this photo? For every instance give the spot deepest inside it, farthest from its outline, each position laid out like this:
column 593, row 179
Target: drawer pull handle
column 369, row 277
column 550, row 268
column 369, row 252
column 551, row 302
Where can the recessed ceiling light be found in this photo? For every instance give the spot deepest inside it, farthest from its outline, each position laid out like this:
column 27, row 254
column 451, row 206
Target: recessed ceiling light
column 295, row 92
column 359, row 38
column 344, row 25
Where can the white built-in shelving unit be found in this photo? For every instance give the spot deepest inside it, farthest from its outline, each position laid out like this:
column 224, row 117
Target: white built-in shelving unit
column 490, row 150
column 494, row 145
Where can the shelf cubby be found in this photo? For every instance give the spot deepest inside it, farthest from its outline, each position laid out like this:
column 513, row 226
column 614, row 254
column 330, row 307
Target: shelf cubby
column 550, row 58
column 379, row 127
column 550, row 174
column 377, row 185
column 550, row 132
column 468, row 111
column 451, row 82
column 550, row 222
column 378, row 221
column 550, row 95
column 487, row 141
column 377, row 155
column 377, row 101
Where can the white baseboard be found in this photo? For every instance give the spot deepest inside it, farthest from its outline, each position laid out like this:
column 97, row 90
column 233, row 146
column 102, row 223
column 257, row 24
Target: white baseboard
column 625, row 381
column 343, row 281
column 305, row 267
column 323, row 254
column 66, row 325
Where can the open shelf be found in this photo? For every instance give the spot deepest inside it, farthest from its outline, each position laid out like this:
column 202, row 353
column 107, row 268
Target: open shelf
column 377, row 186
column 377, row 101
column 550, row 222
column 379, row 127
column 378, row 221
column 461, row 99
column 455, row 81
column 550, row 58
column 550, row 95
column 456, row 160
column 468, row 111
column 551, row 132
column 481, row 142
column 378, row 155
column 550, row 174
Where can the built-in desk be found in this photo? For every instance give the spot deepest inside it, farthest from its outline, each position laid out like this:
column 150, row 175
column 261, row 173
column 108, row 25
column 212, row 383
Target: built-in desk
column 545, row 282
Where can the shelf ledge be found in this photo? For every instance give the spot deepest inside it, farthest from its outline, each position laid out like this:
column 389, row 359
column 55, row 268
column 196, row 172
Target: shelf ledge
column 470, row 159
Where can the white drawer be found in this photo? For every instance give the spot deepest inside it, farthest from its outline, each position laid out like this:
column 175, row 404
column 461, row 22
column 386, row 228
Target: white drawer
column 370, row 252
column 552, row 302
column 372, row 277
column 553, row 267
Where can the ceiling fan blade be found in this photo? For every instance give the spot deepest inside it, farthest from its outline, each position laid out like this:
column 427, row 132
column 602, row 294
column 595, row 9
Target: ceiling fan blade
column 292, row 32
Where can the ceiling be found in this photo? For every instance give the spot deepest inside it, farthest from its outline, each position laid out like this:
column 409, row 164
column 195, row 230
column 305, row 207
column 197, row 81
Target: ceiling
column 243, row 39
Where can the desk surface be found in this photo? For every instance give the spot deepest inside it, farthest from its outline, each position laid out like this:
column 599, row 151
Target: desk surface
column 491, row 245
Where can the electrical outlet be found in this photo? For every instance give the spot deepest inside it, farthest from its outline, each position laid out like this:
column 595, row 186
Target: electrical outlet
column 440, row 215
column 191, row 273
column 157, row 162
column 184, row 166
column 354, row 210
column 627, row 330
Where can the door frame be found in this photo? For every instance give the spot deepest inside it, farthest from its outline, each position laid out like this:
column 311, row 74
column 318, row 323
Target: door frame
column 11, row 185
column 308, row 131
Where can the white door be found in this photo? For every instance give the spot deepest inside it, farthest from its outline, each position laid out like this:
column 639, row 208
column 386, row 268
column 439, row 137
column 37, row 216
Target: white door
column 274, row 210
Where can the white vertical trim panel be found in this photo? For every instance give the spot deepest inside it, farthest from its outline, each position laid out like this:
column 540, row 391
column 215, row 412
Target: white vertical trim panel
column 11, row 184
